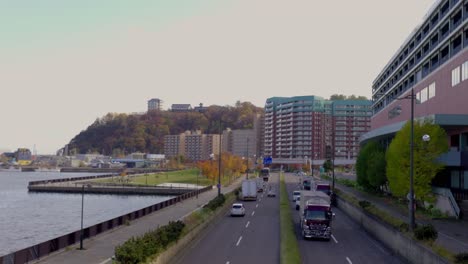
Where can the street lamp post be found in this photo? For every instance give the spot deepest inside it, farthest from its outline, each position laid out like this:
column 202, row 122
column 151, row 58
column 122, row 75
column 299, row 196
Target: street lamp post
column 219, row 162
column 247, row 158
column 411, row 198
column 82, row 210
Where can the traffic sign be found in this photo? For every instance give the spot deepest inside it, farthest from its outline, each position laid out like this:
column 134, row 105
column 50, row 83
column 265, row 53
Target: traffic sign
column 267, row 160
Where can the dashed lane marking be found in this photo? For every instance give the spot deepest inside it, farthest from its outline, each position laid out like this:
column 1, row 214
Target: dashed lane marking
column 349, row 261
column 256, row 206
column 253, row 213
column 334, row 239
column 247, row 225
column 238, row 241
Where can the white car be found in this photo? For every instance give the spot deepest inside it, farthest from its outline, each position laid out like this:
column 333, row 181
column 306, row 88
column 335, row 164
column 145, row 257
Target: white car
column 238, row 209
column 298, row 203
column 296, row 194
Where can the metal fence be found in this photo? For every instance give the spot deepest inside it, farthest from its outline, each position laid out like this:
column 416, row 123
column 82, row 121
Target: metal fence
column 45, row 248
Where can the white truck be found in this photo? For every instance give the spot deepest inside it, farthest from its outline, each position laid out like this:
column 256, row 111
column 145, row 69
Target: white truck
column 315, row 215
column 249, row 190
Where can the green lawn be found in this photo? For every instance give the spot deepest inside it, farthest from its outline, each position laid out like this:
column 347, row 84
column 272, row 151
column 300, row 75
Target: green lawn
column 185, row 176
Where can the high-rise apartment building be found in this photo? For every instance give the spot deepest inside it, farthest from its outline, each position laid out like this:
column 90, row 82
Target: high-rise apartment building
column 433, row 65
column 312, row 127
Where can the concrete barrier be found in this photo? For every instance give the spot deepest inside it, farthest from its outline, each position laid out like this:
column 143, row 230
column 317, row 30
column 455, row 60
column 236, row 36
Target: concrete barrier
column 408, row 248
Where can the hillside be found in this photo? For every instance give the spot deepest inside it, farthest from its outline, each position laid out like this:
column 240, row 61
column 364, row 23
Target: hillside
column 118, row 134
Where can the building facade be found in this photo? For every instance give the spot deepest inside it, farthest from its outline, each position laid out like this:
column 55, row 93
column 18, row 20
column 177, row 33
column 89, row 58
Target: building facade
column 194, row 146
column 311, row 127
column 433, row 64
column 155, row 104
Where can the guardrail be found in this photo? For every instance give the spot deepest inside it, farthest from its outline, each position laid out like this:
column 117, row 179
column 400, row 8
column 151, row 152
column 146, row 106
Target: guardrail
column 45, row 248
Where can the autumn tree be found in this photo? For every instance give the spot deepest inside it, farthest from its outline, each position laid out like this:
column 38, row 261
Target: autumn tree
column 425, row 156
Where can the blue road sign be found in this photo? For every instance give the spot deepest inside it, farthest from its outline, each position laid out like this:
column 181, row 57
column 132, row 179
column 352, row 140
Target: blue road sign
column 267, row 160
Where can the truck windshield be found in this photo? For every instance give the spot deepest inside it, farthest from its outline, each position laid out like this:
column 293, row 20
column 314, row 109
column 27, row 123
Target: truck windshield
column 316, row 215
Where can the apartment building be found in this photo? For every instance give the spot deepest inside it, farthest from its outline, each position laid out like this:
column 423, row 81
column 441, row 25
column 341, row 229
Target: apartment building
column 313, row 127
column 194, row 146
column 432, row 64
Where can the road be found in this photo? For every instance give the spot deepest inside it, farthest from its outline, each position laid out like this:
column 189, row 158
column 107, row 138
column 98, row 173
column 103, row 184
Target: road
column 253, row 238
column 349, row 244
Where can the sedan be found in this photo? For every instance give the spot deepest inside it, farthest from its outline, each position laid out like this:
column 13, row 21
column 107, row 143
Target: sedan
column 237, row 210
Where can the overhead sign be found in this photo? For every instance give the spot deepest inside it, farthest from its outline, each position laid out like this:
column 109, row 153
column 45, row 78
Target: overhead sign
column 267, row 160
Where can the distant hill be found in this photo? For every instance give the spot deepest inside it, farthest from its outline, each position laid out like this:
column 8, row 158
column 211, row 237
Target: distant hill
column 117, row 134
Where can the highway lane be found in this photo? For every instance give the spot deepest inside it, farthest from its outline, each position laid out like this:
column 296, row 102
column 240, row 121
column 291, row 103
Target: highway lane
column 251, row 239
column 349, row 244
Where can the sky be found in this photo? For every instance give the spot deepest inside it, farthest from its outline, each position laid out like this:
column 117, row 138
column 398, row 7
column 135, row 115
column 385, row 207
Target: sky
column 65, row 63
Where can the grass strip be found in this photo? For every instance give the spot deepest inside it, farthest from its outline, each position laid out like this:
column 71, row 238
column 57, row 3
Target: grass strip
column 289, row 248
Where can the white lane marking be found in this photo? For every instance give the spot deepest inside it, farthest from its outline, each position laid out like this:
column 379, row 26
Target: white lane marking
column 334, row 239
column 253, row 213
column 238, row 241
column 256, row 206
column 247, row 225
column 349, row 261
column 227, row 262
column 105, row 261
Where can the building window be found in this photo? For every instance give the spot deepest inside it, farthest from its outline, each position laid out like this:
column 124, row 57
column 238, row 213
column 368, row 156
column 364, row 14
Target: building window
column 432, row 90
column 465, row 71
column 455, row 76
column 424, row 95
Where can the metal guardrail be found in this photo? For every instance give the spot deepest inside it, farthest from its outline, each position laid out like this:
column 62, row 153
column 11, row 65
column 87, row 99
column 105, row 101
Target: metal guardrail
column 45, row 248
column 447, row 193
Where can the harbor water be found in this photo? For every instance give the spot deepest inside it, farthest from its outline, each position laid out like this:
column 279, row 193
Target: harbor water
column 28, row 218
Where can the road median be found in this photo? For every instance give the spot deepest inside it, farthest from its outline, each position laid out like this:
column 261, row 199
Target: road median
column 289, row 248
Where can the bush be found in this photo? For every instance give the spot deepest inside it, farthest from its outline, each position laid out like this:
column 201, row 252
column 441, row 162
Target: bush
column 436, row 213
column 138, row 249
column 404, row 227
column 216, row 202
column 461, row 258
column 364, row 204
column 425, row 232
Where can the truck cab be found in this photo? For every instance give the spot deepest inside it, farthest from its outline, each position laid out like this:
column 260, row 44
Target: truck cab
column 316, row 215
column 265, row 174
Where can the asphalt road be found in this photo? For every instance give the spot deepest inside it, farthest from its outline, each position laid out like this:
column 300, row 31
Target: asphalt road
column 253, row 238
column 349, row 243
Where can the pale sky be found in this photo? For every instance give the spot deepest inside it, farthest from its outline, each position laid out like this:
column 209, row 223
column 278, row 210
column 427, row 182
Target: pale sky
column 64, row 63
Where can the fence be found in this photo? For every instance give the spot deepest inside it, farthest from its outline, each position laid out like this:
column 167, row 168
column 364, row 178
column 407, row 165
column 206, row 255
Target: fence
column 45, row 248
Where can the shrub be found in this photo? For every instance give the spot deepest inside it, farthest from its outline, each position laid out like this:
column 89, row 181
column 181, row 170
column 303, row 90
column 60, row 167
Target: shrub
column 436, row 213
column 364, row 204
column 404, row 227
column 138, row 249
column 216, row 202
column 425, row 232
column 461, row 258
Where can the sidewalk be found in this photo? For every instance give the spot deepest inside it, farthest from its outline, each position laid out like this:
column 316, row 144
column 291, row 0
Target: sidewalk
column 452, row 233
column 100, row 249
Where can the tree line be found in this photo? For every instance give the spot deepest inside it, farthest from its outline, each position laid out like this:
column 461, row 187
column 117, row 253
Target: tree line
column 119, row 134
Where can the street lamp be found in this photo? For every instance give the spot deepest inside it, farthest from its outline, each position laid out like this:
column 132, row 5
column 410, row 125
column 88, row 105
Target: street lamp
column 411, row 192
column 247, row 158
column 82, row 209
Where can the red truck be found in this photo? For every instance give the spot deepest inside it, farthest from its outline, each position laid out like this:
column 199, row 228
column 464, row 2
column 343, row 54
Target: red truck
column 315, row 215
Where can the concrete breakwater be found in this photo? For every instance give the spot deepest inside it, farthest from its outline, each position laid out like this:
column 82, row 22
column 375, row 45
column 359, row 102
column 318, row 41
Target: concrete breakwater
column 87, row 185
column 99, row 188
